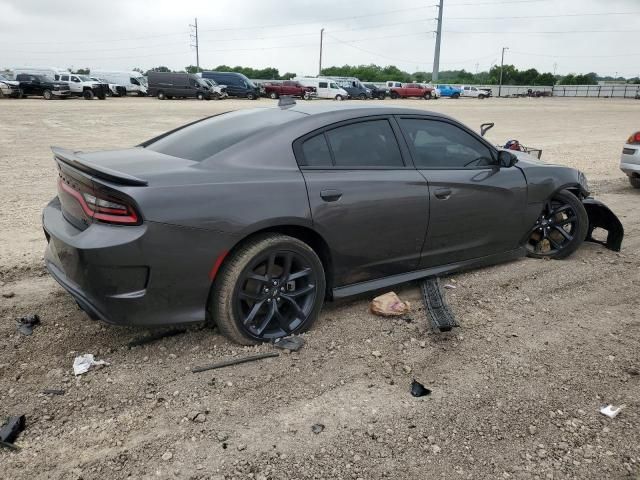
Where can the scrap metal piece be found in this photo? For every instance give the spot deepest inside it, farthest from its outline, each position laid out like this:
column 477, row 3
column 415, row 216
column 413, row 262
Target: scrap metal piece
column 235, row 361
column 600, row 216
column 11, row 428
column 53, row 391
column 292, row 343
column 419, row 390
column 442, row 317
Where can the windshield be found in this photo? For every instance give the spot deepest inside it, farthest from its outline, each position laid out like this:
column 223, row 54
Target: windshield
column 203, row 83
column 3, row 78
column 203, row 139
column 142, row 81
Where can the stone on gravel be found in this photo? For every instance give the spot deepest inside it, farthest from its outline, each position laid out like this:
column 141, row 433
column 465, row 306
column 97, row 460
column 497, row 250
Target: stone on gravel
column 166, row 456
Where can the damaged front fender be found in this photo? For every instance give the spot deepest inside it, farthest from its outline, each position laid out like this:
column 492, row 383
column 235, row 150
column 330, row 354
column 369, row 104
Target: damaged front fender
column 600, row 216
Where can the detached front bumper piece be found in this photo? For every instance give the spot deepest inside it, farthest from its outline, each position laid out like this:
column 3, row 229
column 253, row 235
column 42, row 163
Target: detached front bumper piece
column 600, row 216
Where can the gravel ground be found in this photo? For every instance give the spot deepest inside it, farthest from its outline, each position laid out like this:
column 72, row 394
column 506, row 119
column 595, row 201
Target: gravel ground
column 516, row 390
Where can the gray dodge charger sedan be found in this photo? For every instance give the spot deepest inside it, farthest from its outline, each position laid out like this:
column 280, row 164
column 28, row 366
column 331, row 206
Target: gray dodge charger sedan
column 251, row 219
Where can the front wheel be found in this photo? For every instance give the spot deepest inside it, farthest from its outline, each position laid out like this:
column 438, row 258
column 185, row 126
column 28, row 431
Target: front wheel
column 394, row 96
column 200, row 96
column 47, row 94
column 560, row 229
column 362, row 96
column 88, row 94
column 251, row 96
column 635, row 182
column 427, row 96
column 481, row 97
column 271, row 287
column 455, row 95
column 273, row 96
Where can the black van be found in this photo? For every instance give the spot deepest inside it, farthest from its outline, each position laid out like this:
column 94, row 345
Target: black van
column 237, row 84
column 179, row 85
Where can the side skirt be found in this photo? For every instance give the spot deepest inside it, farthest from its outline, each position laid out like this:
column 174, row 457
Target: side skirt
column 379, row 283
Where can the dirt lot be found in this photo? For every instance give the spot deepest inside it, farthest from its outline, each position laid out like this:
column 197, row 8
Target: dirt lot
column 516, row 389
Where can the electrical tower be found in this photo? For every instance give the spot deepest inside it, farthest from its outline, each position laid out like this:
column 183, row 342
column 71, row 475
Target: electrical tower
column 194, row 38
column 320, row 62
column 436, row 55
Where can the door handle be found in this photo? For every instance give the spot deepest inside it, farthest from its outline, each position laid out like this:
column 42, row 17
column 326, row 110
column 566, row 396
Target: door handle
column 443, row 193
column 330, row 195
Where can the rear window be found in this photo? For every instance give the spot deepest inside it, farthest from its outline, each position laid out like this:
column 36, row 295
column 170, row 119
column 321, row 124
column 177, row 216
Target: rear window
column 208, row 137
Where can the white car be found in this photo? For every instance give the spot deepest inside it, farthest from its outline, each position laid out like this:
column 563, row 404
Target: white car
column 325, row 87
column 630, row 160
column 9, row 88
column 475, row 92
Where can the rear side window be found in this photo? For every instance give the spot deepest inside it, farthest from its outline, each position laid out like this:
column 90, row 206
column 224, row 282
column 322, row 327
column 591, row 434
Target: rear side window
column 365, row 144
column 316, row 152
column 210, row 136
column 323, row 84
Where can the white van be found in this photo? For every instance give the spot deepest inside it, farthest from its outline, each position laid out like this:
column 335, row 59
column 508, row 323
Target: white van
column 134, row 82
column 325, row 87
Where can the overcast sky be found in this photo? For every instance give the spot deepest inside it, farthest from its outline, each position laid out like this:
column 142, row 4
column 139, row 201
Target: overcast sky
column 123, row 34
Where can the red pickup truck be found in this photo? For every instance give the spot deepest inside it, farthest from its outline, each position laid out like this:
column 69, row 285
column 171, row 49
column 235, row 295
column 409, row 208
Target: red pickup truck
column 289, row 87
column 411, row 90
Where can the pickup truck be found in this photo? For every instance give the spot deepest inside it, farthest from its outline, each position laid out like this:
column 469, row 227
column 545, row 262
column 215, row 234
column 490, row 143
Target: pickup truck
column 9, row 88
column 475, row 92
column 289, row 87
column 39, row 85
column 83, row 86
column 377, row 92
column 411, row 90
column 449, row 91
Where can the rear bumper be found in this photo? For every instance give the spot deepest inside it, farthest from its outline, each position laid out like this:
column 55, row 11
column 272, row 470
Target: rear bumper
column 630, row 160
column 146, row 275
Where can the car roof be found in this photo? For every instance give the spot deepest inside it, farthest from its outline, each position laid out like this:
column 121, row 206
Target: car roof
column 360, row 110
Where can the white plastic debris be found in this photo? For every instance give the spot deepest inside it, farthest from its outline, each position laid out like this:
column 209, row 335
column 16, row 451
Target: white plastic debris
column 611, row 411
column 82, row 363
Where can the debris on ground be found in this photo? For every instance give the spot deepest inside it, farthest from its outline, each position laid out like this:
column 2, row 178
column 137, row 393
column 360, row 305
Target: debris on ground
column 235, row 361
column 442, row 317
column 292, row 343
column 317, row 428
column 418, row 389
column 389, row 305
column 26, row 324
column 156, row 336
column 53, row 391
column 83, row 363
column 8, row 294
column 611, row 411
column 10, row 430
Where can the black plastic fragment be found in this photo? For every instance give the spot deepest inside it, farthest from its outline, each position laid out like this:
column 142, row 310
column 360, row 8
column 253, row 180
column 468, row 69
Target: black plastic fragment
column 442, row 317
column 25, row 324
column 11, row 428
column 600, row 216
column 419, row 390
column 156, row 336
column 53, row 391
column 293, row 343
column 317, row 428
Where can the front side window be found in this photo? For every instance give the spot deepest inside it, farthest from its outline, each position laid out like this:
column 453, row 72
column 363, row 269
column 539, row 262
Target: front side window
column 333, row 85
column 365, row 144
column 133, row 81
column 437, row 144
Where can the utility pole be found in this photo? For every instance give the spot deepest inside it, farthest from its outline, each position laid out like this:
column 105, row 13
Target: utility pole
column 501, row 69
column 194, row 37
column 436, row 55
column 320, row 62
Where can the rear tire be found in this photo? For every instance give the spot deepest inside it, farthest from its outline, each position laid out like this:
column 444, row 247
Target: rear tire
column 481, row 96
column 455, row 95
column 382, row 96
column 562, row 210
column 251, row 96
column 394, row 96
column 161, row 95
column 88, row 94
column 635, row 182
column 362, row 96
column 250, row 311
column 273, row 96
column 427, row 96
column 47, row 94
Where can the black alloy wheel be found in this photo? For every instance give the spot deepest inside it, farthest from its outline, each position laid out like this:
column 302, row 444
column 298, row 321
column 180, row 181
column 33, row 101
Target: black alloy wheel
column 560, row 229
column 271, row 287
column 362, row 96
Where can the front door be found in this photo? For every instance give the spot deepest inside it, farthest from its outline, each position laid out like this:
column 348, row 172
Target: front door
column 477, row 209
column 368, row 204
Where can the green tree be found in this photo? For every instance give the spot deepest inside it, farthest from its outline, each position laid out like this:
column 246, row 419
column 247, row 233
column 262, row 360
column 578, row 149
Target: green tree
column 82, row 71
column 159, row 69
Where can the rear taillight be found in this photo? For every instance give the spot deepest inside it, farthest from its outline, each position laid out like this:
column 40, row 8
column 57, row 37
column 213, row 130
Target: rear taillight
column 100, row 206
column 634, row 139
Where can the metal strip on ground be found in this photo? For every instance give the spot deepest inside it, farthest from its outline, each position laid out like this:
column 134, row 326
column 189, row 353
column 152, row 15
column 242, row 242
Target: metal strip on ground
column 442, row 317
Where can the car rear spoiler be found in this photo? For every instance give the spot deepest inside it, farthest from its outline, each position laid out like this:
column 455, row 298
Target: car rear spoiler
column 74, row 160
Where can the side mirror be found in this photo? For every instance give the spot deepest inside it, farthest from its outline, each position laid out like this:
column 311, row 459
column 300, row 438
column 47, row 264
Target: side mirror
column 506, row 159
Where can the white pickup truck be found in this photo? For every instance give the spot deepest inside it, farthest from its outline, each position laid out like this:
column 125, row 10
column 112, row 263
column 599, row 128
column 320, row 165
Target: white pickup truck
column 83, row 86
column 475, row 92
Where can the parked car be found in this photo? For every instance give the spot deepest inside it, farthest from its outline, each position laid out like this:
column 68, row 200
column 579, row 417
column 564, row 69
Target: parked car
column 353, row 87
column 83, row 86
column 289, row 87
column 41, row 86
column 449, row 91
column 112, row 88
column 393, row 84
column 168, row 85
column 250, row 219
column 237, row 84
column 411, row 90
column 134, row 82
column 218, row 92
column 475, row 92
column 630, row 160
column 377, row 92
column 9, row 88
column 325, row 87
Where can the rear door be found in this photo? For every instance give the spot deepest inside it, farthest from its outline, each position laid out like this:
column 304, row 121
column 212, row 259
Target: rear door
column 366, row 199
column 476, row 208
